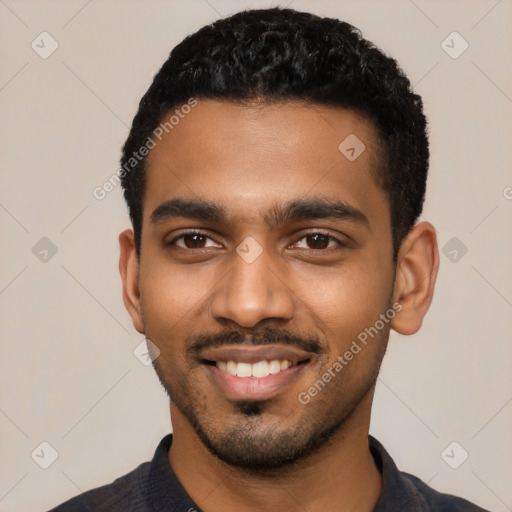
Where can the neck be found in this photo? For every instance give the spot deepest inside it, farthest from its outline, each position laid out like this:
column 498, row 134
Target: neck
column 341, row 472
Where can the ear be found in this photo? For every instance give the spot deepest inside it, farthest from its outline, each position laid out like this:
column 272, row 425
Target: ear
column 129, row 269
column 417, row 265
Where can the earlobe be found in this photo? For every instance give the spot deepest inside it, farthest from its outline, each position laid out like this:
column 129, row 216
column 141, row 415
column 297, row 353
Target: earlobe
column 129, row 270
column 417, row 266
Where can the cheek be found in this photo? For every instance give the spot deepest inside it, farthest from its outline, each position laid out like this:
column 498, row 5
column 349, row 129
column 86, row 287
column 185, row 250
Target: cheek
column 169, row 290
column 346, row 310
column 170, row 301
column 347, row 299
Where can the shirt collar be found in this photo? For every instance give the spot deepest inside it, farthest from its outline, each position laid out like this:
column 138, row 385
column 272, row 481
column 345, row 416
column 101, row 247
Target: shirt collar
column 165, row 490
column 397, row 493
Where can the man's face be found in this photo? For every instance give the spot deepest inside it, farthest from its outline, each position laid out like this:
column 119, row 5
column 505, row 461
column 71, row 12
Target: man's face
column 257, row 291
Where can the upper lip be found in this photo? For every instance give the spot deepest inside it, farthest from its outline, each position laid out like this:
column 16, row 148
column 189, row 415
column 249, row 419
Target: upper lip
column 255, row 353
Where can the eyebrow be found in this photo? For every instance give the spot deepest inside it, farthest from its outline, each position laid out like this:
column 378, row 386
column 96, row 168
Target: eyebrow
column 295, row 210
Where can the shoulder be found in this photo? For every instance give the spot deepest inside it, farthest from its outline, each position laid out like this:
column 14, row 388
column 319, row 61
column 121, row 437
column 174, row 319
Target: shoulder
column 438, row 501
column 402, row 491
column 126, row 494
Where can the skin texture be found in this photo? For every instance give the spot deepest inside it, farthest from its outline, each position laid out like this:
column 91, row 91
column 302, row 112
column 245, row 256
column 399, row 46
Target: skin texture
column 276, row 453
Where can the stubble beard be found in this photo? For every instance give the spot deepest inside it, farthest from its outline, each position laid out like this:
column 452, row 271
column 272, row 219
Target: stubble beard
column 257, row 446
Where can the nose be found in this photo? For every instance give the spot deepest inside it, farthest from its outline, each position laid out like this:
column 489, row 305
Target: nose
column 252, row 291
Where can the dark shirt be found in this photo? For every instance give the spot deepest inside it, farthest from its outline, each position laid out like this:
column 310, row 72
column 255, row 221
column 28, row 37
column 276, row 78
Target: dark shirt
column 153, row 487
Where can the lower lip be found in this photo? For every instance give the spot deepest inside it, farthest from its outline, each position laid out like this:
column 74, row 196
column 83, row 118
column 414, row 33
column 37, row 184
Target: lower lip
column 251, row 388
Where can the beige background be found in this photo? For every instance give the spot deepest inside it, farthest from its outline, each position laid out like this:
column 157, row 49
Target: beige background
column 68, row 373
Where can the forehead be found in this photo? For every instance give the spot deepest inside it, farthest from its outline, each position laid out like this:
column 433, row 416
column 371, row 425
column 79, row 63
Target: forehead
column 250, row 157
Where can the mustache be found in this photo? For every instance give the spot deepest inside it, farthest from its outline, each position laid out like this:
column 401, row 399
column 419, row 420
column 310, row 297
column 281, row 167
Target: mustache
column 270, row 336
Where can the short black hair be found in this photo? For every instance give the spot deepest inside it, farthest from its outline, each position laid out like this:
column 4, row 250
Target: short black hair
column 281, row 54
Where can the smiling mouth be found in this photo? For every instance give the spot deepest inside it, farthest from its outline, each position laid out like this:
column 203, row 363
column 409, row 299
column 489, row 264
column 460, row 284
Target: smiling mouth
column 256, row 370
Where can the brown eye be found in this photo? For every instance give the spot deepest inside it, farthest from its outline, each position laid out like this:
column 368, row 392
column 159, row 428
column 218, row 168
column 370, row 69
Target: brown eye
column 319, row 241
column 192, row 240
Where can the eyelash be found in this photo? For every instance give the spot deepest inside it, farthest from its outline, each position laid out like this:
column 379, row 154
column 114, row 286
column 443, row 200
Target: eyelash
column 205, row 235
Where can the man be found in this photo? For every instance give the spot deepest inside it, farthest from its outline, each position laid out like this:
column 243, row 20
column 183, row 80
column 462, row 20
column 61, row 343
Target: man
column 274, row 174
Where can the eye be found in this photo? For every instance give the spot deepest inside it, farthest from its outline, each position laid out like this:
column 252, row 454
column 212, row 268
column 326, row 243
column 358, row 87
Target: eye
column 319, row 241
column 191, row 240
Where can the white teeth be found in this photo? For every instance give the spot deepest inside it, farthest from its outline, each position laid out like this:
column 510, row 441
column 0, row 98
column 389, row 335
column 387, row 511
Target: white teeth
column 231, row 367
column 258, row 370
column 274, row 366
column 244, row 370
